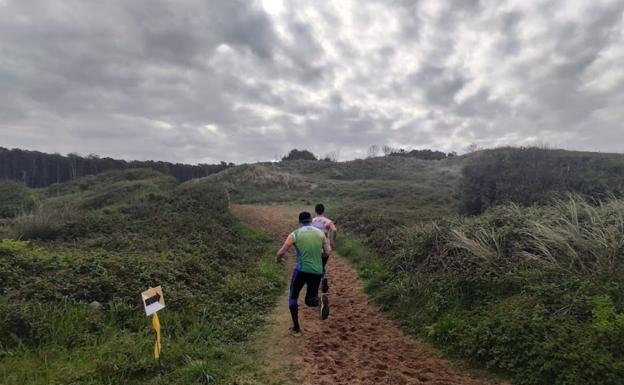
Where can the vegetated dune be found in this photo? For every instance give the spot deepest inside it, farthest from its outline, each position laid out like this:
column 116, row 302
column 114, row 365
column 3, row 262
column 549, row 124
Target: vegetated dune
column 400, row 186
column 520, row 288
column 378, row 168
column 516, row 289
column 72, row 270
column 263, row 175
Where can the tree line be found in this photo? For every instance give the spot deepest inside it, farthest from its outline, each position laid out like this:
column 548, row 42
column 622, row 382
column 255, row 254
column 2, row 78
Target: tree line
column 38, row 169
column 372, row 152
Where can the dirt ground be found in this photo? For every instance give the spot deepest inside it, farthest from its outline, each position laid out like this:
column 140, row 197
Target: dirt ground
column 357, row 344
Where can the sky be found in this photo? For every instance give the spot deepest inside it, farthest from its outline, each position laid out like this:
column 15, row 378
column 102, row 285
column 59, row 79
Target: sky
column 245, row 81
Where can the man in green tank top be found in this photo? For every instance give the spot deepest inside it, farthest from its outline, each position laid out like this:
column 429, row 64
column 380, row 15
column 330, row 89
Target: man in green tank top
column 309, row 243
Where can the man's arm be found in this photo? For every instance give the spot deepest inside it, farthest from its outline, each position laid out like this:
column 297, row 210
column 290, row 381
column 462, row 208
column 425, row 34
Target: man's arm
column 327, row 248
column 284, row 249
column 332, row 234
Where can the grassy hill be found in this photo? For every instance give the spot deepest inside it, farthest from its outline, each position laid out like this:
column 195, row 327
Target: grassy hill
column 402, row 187
column 521, row 288
column 520, row 291
column 72, row 269
column 529, row 284
column 525, row 284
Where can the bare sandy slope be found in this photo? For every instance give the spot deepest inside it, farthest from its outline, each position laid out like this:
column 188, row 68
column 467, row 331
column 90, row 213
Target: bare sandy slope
column 357, row 344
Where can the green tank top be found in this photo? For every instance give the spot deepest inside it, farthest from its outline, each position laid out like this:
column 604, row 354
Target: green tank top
column 309, row 245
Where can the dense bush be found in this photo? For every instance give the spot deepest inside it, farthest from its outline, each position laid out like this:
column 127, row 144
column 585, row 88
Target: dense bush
column 41, row 223
column 295, row 154
column 15, row 198
column 421, row 154
column 571, row 236
column 534, row 175
column 536, row 293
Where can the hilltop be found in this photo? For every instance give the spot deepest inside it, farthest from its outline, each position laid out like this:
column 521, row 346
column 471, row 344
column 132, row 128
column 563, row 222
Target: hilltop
column 403, row 186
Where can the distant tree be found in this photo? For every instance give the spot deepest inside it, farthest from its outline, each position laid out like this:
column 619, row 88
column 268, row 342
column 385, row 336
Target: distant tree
column 372, row 151
column 472, row 147
column 332, row 156
column 295, row 154
column 419, row 154
column 387, row 150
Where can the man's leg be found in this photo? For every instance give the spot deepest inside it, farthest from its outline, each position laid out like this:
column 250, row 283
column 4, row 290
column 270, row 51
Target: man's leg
column 324, row 284
column 313, row 281
column 296, row 284
column 324, row 290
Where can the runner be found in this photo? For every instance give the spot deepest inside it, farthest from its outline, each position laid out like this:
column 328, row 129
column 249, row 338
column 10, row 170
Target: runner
column 327, row 226
column 309, row 244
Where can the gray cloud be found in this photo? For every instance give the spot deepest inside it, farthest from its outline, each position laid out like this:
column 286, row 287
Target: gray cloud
column 242, row 81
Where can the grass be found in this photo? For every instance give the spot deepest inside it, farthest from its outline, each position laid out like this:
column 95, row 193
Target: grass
column 533, row 292
column 398, row 187
column 130, row 230
column 519, row 291
column 14, row 198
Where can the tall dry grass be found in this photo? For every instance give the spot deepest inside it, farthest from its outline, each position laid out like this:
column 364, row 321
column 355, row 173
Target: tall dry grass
column 43, row 222
column 571, row 235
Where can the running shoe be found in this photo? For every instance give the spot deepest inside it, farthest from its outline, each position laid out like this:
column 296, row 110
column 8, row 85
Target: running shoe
column 324, row 307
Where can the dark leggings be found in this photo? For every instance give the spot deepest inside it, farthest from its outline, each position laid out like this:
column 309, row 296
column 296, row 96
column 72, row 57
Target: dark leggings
column 324, row 284
column 300, row 279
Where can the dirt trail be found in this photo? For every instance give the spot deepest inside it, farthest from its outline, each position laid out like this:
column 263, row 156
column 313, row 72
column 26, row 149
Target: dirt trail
column 356, row 345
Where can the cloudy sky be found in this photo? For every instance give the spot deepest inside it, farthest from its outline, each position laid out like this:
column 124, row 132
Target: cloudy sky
column 204, row 81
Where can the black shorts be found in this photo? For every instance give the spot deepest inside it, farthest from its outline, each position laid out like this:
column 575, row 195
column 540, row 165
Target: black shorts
column 325, row 258
column 300, row 279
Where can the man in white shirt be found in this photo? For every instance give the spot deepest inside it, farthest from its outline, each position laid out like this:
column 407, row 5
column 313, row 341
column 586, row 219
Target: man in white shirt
column 327, row 226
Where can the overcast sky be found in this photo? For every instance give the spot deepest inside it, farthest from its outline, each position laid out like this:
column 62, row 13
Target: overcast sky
column 204, row 81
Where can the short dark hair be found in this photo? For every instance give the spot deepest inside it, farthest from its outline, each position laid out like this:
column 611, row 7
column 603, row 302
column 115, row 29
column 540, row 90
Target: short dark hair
column 320, row 209
column 305, row 217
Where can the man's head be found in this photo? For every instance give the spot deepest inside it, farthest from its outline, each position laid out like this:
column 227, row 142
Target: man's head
column 319, row 209
column 305, row 218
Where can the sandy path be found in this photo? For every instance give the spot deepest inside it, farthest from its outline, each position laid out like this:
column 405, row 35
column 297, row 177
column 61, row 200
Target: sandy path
column 357, row 344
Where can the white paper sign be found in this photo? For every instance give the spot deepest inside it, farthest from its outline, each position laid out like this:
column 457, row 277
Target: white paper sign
column 153, row 300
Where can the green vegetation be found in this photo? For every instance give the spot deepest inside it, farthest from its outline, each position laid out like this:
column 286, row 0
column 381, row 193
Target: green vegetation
column 532, row 289
column 70, row 310
column 530, row 286
column 536, row 175
column 536, row 293
column 401, row 187
column 14, row 198
column 299, row 155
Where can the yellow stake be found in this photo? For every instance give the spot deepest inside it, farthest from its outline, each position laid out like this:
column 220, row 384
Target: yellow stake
column 156, row 327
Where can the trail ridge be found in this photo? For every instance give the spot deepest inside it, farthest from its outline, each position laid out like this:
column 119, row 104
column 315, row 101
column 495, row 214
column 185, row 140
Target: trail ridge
column 357, row 344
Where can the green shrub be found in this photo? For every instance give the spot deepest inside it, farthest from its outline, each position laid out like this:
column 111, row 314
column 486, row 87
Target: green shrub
column 295, row 154
column 129, row 231
column 533, row 348
column 14, row 198
column 570, row 236
column 43, row 222
column 535, row 293
column 534, row 175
